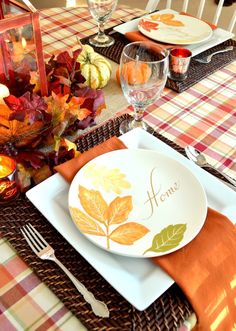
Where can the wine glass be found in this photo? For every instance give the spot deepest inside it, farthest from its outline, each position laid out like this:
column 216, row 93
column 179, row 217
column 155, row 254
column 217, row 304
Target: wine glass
column 143, row 73
column 101, row 11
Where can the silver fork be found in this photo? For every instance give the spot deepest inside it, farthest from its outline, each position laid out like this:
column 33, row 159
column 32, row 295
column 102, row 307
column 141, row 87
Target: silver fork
column 45, row 252
column 208, row 58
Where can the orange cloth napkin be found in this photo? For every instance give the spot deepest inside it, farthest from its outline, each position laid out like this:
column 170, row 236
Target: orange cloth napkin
column 205, row 269
column 213, row 26
column 69, row 169
column 138, row 36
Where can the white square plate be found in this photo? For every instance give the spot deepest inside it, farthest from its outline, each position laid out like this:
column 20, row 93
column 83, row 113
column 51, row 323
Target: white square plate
column 218, row 36
column 137, row 280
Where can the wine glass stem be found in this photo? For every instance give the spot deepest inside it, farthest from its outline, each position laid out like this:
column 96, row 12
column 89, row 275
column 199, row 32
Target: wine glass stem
column 138, row 114
column 101, row 29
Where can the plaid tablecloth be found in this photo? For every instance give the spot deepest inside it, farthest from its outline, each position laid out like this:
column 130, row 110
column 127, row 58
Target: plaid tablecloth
column 203, row 116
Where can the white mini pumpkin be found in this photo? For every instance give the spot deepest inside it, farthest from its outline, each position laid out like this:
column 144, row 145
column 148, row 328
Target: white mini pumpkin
column 94, row 67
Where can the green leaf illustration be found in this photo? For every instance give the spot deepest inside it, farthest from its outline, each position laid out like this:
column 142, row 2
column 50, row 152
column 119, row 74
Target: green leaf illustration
column 168, row 238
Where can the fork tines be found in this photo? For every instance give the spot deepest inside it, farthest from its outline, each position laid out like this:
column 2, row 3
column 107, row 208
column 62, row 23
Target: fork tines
column 33, row 238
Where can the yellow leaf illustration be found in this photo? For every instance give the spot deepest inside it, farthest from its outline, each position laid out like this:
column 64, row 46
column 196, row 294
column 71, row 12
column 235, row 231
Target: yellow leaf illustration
column 111, row 180
column 85, row 223
column 93, row 203
column 127, row 234
column 119, row 209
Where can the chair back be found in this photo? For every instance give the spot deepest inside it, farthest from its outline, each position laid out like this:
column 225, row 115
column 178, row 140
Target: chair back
column 152, row 5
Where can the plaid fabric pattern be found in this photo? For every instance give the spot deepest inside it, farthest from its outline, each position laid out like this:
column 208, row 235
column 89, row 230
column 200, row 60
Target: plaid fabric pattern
column 25, row 302
column 62, row 27
column 203, row 116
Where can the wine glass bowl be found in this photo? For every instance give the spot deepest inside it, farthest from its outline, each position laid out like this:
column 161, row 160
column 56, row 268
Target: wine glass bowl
column 143, row 74
column 101, row 11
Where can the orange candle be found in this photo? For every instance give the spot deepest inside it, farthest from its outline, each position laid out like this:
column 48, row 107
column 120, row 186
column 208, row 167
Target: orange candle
column 8, row 184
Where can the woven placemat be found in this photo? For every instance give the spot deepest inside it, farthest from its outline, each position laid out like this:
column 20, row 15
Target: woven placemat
column 197, row 71
column 166, row 313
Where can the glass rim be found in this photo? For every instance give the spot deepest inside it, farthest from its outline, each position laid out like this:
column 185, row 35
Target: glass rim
column 163, row 51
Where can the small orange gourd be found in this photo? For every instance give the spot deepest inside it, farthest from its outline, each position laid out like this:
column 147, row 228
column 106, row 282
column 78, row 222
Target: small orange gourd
column 134, row 72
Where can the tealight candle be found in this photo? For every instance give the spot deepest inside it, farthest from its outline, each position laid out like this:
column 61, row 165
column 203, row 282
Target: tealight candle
column 8, row 184
column 4, row 92
column 179, row 62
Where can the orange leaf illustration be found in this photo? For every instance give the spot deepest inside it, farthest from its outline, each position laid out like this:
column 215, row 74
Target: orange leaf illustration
column 127, row 234
column 147, row 25
column 93, row 203
column 85, row 223
column 173, row 23
column 162, row 17
column 167, row 19
column 119, row 209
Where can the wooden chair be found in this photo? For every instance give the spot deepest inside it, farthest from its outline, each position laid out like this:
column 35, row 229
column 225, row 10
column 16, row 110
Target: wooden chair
column 152, row 5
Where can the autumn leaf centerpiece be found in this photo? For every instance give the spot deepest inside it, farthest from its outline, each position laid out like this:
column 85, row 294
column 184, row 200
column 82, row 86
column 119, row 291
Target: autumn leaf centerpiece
column 29, row 121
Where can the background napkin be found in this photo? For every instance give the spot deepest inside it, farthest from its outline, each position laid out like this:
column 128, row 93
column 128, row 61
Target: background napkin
column 205, row 269
column 138, row 36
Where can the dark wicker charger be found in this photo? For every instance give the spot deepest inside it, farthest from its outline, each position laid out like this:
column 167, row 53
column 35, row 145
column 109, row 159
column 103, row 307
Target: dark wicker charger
column 166, row 313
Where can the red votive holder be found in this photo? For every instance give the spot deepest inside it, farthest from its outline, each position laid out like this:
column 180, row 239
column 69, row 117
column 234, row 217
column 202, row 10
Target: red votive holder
column 8, row 182
column 179, row 61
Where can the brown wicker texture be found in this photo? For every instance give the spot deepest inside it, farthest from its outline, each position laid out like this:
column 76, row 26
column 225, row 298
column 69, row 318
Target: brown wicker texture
column 197, row 71
column 166, row 313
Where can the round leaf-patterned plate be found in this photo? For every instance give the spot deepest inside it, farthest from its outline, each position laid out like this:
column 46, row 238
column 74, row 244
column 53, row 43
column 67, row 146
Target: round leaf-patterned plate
column 175, row 29
column 137, row 203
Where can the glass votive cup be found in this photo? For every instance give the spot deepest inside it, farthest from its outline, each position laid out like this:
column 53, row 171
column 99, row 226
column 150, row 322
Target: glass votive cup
column 179, row 61
column 8, row 179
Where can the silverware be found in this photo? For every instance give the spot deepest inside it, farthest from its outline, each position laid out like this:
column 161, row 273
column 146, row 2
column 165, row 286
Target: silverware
column 45, row 252
column 198, row 158
column 208, row 58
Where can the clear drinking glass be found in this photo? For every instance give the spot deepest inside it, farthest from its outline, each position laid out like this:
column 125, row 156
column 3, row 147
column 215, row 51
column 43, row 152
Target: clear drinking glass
column 101, row 11
column 143, row 74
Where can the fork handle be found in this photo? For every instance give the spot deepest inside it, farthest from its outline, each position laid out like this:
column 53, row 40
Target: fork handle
column 222, row 51
column 99, row 308
column 229, row 179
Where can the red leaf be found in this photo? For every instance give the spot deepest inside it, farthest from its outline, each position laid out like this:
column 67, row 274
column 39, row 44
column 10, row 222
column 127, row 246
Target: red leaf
column 28, row 104
column 34, row 158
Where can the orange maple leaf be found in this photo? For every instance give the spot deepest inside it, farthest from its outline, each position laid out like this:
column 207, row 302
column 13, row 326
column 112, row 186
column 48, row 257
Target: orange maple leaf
column 75, row 108
column 19, row 133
